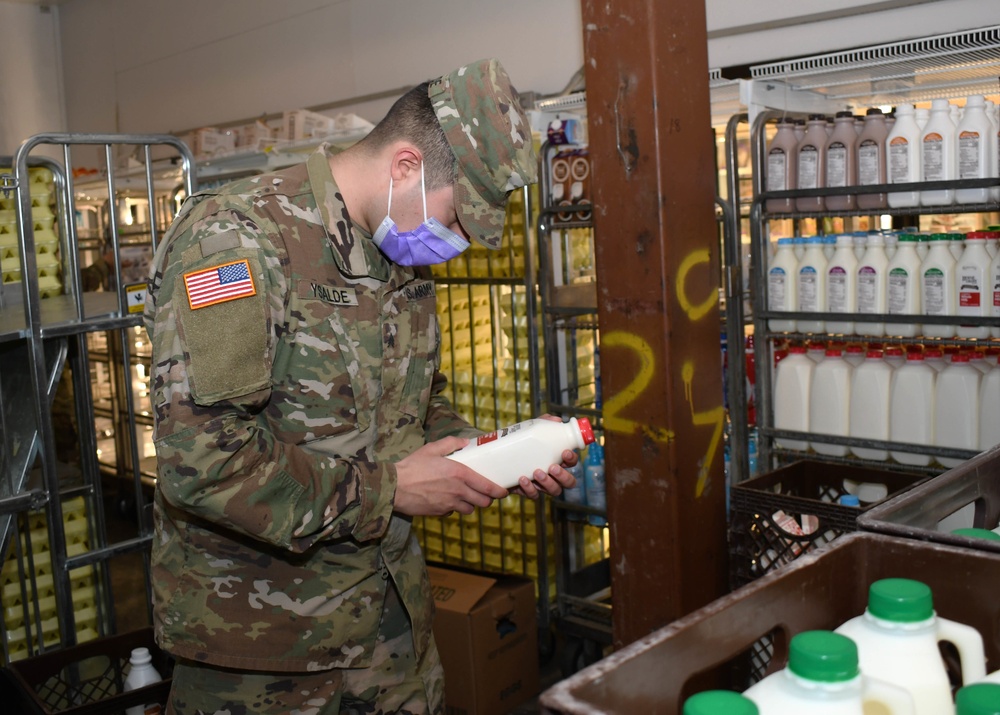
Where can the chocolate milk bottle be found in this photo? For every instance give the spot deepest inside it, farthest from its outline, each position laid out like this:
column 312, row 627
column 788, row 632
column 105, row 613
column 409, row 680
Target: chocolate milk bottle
column 871, row 158
column 841, row 164
column 812, row 163
column 782, row 166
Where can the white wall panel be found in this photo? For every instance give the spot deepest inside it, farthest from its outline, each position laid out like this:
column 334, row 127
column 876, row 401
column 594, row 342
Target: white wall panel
column 30, row 75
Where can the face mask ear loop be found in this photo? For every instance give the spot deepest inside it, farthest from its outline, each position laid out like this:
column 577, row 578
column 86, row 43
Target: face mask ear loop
column 423, row 191
column 388, row 210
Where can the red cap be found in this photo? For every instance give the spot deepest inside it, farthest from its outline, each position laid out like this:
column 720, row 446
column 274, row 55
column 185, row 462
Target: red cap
column 872, row 354
column 951, row 349
column 895, row 352
column 817, row 346
column 586, row 431
column 797, row 349
column 934, row 353
column 915, row 356
column 855, row 348
column 834, row 352
column 994, row 350
column 977, row 235
column 960, row 357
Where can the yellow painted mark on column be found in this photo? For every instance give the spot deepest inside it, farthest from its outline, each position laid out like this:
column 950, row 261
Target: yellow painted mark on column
column 614, row 405
column 694, row 312
column 716, row 416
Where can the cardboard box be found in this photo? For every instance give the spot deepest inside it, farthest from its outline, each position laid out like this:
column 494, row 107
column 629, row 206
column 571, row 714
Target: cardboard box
column 301, row 124
column 486, row 630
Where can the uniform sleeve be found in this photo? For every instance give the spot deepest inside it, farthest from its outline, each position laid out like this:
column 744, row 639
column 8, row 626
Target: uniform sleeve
column 442, row 420
column 217, row 458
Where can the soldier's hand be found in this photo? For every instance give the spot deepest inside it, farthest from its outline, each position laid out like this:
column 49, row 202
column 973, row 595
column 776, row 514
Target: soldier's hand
column 428, row 484
column 551, row 482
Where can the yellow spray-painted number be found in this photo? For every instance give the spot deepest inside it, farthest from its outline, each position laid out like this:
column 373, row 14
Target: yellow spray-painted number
column 694, row 312
column 614, row 405
column 715, row 416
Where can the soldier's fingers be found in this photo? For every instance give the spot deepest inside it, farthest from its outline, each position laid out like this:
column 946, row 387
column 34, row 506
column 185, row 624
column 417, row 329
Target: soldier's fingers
column 528, row 488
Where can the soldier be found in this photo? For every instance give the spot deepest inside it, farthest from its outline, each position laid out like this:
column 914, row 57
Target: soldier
column 300, row 423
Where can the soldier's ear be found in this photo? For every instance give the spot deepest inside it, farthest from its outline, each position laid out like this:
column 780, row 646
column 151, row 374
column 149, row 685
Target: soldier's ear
column 405, row 166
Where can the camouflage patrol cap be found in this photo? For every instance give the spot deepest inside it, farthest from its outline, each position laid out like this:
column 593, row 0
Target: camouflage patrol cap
column 488, row 131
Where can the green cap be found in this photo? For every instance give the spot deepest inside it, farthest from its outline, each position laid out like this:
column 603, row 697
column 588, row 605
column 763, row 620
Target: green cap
column 978, row 534
column 901, row 600
column 488, row 132
column 978, row 699
column 719, row 702
column 823, row 656
column 940, row 237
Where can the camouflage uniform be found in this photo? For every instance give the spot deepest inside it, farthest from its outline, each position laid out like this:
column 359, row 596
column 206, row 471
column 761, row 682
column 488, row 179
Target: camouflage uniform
column 283, row 394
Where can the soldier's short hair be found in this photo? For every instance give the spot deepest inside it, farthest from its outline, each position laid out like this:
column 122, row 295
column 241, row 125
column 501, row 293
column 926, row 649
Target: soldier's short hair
column 412, row 118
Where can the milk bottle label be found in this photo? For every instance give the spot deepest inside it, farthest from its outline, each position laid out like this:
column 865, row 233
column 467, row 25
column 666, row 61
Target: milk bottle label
column 934, row 298
column 776, row 280
column 968, row 156
column 970, row 292
column 934, row 157
column 776, row 170
column 808, row 167
column 899, row 160
column 867, row 290
column 868, row 162
column 836, row 165
column 899, row 281
column 808, row 300
column 836, row 290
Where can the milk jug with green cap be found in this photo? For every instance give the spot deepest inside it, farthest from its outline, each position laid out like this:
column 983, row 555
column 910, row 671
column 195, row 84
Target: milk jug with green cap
column 719, row 702
column 897, row 639
column 978, row 699
column 823, row 678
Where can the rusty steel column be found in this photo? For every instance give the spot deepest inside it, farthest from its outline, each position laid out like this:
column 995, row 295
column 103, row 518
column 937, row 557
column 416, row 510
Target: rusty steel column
column 657, row 253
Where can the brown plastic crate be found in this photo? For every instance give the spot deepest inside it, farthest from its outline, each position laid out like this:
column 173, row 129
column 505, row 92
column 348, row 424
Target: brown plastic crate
column 87, row 679
column 915, row 514
column 758, row 545
column 655, row 675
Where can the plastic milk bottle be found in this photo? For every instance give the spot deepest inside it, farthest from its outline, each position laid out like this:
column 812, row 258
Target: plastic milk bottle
column 937, row 286
column 897, row 639
column 956, row 407
column 871, row 284
column 791, row 396
column 830, row 401
column 869, row 407
column 841, row 284
column 823, row 678
column 782, row 284
column 972, row 276
column 903, row 156
column 911, row 408
column 903, row 286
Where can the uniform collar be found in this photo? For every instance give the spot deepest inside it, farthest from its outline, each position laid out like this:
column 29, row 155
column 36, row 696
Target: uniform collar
column 353, row 249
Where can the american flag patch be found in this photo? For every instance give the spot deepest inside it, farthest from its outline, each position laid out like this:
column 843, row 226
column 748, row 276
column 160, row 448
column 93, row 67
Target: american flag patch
column 219, row 284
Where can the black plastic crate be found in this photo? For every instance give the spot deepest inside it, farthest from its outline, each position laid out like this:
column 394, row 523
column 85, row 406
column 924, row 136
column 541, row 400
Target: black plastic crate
column 916, row 514
column 87, row 679
column 758, row 543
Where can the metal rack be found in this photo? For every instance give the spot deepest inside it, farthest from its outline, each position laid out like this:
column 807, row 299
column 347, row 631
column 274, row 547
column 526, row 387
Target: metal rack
column 942, row 66
column 54, row 527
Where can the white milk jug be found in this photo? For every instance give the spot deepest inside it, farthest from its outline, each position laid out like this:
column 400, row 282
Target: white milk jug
column 823, row 678
column 869, row 406
column 903, row 287
column 719, row 702
column 872, row 284
column 812, row 284
column 841, row 284
column 792, row 382
column 830, row 401
column 989, row 409
column 897, row 639
column 956, row 407
column 972, row 276
column 978, row 699
column 911, row 408
column 937, row 286
column 782, row 284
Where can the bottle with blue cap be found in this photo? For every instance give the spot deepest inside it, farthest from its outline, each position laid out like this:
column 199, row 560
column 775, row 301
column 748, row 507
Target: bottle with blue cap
column 594, row 484
column 897, row 639
column 823, row 678
column 782, row 285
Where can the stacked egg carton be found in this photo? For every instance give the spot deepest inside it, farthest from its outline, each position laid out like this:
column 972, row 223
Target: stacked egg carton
column 33, row 595
column 42, row 189
column 502, row 538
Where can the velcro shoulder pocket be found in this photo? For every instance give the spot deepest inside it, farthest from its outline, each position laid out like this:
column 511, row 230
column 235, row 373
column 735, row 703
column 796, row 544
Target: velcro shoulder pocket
column 224, row 325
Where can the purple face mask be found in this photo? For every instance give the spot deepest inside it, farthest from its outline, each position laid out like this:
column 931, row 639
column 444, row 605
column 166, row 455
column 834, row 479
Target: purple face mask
column 429, row 243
